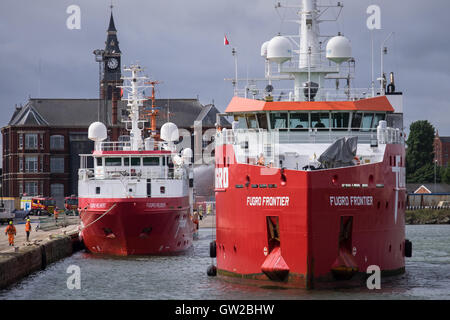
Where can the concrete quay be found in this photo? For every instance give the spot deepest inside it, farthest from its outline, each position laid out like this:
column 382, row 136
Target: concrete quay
column 44, row 248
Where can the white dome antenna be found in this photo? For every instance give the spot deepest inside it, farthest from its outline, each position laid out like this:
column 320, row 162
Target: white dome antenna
column 169, row 132
column 97, row 132
column 186, row 154
column 339, row 49
column 279, row 50
column 264, row 49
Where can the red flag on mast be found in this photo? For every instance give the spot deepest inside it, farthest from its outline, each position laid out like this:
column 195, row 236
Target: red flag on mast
column 225, row 41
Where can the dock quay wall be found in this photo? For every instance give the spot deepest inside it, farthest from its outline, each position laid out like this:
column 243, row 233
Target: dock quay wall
column 14, row 266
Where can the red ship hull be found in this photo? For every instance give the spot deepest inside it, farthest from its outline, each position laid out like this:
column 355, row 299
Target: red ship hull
column 329, row 224
column 136, row 226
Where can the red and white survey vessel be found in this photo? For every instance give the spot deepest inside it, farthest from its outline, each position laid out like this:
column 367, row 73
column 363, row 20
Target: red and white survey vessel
column 310, row 181
column 136, row 200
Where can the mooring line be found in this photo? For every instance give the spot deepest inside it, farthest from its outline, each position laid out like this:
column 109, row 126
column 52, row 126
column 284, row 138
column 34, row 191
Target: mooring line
column 100, row 216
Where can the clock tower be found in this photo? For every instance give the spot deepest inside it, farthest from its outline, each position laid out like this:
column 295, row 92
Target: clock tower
column 111, row 64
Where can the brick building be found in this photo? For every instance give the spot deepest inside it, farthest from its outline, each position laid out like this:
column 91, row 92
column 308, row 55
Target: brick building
column 43, row 139
column 441, row 150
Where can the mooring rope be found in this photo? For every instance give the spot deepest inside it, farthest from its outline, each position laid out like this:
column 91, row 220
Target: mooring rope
column 100, row 216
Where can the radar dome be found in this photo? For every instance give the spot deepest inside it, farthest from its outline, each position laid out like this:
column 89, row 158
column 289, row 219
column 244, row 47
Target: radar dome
column 97, row 132
column 187, row 153
column 339, row 49
column 264, row 49
column 169, row 132
column 279, row 49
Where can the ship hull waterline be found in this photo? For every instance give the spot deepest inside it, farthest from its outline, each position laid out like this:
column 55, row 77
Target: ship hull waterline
column 136, row 226
column 330, row 225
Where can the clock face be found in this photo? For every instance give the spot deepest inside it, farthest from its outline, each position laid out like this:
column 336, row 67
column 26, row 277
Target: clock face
column 113, row 63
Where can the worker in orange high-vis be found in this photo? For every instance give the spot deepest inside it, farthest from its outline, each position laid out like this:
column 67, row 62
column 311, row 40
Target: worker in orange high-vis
column 28, row 229
column 56, row 214
column 11, row 232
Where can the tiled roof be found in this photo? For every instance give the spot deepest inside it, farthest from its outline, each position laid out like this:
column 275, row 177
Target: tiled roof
column 82, row 112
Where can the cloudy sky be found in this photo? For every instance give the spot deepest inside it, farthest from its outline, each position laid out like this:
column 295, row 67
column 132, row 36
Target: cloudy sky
column 181, row 44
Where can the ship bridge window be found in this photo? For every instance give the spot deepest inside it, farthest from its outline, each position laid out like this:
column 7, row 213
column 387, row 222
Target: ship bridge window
column 251, row 121
column 278, row 120
column 376, row 120
column 356, row 121
column 367, row 122
column 99, row 161
column 242, row 122
column 340, row 120
column 299, row 121
column 134, row 161
column 113, row 162
column 262, row 121
column 151, row 161
column 321, row 121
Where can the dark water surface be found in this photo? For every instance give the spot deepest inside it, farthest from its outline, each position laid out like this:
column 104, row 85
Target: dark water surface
column 184, row 277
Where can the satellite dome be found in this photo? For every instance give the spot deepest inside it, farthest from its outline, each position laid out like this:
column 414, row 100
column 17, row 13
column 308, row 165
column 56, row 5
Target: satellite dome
column 279, row 49
column 264, row 49
column 97, row 132
column 187, row 153
column 169, row 132
column 339, row 49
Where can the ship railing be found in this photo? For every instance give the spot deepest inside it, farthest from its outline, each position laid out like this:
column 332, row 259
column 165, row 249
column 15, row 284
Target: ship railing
column 113, row 146
column 283, row 136
column 324, row 94
column 126, row 145
column 120, row 174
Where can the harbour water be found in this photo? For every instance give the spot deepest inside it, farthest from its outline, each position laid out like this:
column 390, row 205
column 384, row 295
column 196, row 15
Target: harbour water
column 184, row 277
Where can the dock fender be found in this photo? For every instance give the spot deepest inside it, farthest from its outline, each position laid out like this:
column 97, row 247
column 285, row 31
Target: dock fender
column 212, row 249
column 43, row 257
column 408, row 248
column 211, row 271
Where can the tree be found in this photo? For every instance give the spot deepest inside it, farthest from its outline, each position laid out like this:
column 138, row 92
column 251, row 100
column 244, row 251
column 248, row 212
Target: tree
column 445, row 172
column 420, row 146
column 425, row 174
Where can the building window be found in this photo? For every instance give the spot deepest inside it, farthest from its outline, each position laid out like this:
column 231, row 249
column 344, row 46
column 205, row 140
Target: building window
column 20, row 188
column 31, row 141
column 57, row 142
column 31, row 188
column 57, row 190
column 57, row 165
column 31, row 164
column 20, row 141
column 41, row 136
column 20, row 164
column 41, row 164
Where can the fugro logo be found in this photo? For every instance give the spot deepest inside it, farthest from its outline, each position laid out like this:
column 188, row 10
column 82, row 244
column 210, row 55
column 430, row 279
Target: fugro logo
column 221, row 178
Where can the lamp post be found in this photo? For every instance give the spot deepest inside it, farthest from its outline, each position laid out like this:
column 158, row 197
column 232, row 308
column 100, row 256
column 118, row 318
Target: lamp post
column 435, row 163
column 99, row 58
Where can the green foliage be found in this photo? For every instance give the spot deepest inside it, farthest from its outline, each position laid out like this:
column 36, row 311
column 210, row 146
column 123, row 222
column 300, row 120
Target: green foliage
column 420, row 151
column 425, row 174
column 445, row 174
column 428, row 216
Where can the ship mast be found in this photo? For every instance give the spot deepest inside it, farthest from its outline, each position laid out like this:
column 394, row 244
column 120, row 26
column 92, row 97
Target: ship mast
column 310, row 70
column 135, row 102
column 154, row 111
